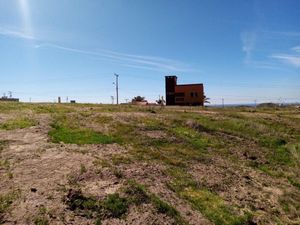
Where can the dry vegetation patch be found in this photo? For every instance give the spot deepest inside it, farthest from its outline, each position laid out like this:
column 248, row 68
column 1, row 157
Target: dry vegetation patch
column 98, row 164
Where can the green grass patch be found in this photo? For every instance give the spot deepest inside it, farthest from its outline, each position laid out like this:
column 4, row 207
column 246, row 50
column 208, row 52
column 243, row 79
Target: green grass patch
column 7, row 107
column 290, row 203
column 138, row 194
column 5, row 202
column 78, row 136
column 3, row 143
column 294, row 181
column 40, row 220
column 103, row 119
column 267, row 133
column 103, row 163
column 19, row 123
column 4, row 163
column 112, row 206
column 192, row 137
column 281, row 156
column 51, row 108
column 208, row 203
column 115, row 205
column 165, row 208
column 213, row 207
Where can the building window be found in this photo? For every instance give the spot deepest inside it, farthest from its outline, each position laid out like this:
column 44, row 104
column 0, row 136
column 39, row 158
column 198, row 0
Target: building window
column 179, row 99
column 192, row 94
column 179, row 94
column 196, row 94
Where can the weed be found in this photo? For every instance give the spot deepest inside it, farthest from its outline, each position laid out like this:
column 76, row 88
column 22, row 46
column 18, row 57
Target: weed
column 76, row 201
column 213, row 207
column 102, row 163
column 51, row 108
column 294, row 181
column 281, row 156
column 73, row 179
column 7, row 107
column 4, row 163
column 19, row 123
column 290, row 203
column 98, row 221
column 3, row 143
column 40, row 220
column 137, row 193
column 209, row 204
column 192, row 137
column 103, row 119
column 112, row 206
column 10, row 175
column 163, row 207
column 118, row 173
column 82, row 169
column 6, row 200
column 121, row 159
column 115, row 205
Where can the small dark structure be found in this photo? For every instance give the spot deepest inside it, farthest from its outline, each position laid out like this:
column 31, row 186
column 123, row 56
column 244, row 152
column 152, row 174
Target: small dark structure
column 184, row 94
column 7, row 99
column 73, row 101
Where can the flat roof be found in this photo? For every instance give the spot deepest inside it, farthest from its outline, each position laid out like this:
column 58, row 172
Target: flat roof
column 189, row 84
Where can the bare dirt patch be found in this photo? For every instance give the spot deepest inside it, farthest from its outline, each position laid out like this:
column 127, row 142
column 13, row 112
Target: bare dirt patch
column 154, row 178
column 244, row 187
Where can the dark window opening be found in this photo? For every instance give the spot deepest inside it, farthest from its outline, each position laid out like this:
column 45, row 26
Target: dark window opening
column 179, row 94
column 179, row 99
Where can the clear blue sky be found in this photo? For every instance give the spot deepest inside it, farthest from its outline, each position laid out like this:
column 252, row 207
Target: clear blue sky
column 240, row 50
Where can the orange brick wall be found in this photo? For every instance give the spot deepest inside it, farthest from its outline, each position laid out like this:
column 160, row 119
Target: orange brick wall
column 188, row 99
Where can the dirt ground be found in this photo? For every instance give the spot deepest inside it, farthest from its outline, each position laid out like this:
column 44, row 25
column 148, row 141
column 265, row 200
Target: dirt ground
column 41, row 172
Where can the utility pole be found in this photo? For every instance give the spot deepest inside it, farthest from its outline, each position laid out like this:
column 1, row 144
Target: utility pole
column 112, row 99
column 255, row 102
column 223, row 102
column 117, row 87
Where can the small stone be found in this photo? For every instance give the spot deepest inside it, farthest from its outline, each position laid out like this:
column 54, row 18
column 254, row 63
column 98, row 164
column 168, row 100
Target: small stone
column 253, row 157
column 247, row 177
column 33, row 190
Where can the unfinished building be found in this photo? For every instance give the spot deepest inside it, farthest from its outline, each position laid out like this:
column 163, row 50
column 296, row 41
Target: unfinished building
column 183, row 94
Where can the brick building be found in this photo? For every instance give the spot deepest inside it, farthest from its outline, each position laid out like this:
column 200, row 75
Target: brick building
column 184, row 94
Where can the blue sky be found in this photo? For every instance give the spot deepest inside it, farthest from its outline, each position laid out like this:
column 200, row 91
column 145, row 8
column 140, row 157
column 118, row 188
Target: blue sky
column 241, row 50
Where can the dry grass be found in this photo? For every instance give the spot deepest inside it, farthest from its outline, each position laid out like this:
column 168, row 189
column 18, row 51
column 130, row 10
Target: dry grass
column 190, row 165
